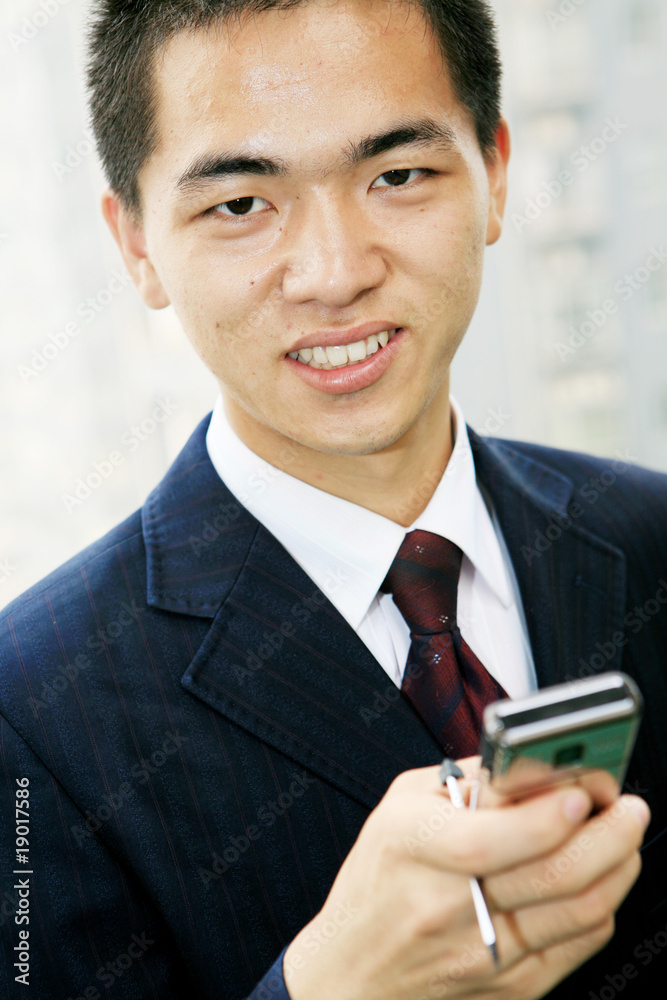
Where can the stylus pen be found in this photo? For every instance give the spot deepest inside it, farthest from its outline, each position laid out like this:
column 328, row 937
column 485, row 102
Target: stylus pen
column 449, row 772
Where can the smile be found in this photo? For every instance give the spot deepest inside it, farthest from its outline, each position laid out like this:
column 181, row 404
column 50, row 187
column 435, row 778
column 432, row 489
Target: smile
column 328, row 358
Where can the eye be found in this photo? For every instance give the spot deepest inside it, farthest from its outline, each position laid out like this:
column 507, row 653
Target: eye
column 235, row 208
column 399, row 178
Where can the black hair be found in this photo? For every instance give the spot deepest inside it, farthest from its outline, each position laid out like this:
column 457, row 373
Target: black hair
column 125, row 37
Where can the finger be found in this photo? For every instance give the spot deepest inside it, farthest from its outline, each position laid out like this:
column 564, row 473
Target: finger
column 515, row 786
column 488, row 841
column 427, row 780
column 601, row 786
column 536, row 928
column 524, row 964
column 598, row 847
column 536, row 974
column 471, row 767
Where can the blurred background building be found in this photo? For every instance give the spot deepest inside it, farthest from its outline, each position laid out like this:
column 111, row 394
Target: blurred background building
column 570, row 334
column 567, row 347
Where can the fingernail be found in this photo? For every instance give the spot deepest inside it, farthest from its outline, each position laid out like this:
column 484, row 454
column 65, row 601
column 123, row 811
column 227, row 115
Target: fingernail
column 576, row 806
column 641, row 810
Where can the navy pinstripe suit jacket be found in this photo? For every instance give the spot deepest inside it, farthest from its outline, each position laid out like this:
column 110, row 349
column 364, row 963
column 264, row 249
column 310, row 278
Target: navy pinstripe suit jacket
column 204, row 735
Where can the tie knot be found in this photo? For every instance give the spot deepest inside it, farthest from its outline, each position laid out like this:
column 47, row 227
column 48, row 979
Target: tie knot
column 423, row 579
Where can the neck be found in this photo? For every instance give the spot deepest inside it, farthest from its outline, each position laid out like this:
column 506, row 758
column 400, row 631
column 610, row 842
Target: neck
column 396, row 482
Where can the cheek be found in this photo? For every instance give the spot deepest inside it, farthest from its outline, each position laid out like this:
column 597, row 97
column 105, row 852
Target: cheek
column 449, row 275
column 225, row 341
column 464, row 232
column 449, row 242
column 237, row 336
column 463, row 253
column 217, row 305
column 464, row 215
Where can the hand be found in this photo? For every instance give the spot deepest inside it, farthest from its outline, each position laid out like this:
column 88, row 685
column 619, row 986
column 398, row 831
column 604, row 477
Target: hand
column 553, row 878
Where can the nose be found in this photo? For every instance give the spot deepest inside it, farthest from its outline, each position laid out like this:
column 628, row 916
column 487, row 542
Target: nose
column 333, row 257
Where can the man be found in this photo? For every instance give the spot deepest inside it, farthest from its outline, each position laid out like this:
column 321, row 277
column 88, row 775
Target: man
column 230, row 791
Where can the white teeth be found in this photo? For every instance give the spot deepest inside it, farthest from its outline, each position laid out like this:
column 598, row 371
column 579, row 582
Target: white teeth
column 338, row 357
column 356, row 351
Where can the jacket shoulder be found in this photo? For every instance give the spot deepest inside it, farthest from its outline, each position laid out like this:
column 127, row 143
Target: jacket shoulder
column 619, row 471
column 573, row 463
column 69, row 580
column 612, row 496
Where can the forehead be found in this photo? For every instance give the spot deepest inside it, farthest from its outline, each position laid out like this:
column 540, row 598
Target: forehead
column 301, row 80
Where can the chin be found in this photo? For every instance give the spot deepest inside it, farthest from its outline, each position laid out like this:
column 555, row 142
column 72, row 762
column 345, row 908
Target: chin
column 356, row 440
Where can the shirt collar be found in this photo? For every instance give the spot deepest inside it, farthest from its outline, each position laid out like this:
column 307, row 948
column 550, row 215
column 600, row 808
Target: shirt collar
column 347, row 549
column 458, row 511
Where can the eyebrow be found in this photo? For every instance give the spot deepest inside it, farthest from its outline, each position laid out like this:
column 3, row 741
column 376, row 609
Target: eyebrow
column 208, row 168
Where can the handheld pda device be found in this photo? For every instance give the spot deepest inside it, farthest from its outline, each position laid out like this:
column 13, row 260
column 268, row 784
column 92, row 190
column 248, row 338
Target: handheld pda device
column 562, row 732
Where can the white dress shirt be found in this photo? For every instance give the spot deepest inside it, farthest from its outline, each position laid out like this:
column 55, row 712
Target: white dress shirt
column 347, row 550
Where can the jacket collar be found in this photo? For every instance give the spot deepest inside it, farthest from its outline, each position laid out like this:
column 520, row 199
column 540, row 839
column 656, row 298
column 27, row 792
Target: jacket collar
column 572, row 582
column 196, row 533
column 280, row 661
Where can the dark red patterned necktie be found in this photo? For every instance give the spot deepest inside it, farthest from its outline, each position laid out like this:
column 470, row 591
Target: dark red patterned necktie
column 443, row 678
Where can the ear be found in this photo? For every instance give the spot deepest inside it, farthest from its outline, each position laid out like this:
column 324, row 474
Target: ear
column 129, row 235
column 496, row 169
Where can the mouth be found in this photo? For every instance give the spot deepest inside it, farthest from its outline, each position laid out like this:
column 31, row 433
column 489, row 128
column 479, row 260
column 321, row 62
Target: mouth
column 343, row 356
column 342, row 374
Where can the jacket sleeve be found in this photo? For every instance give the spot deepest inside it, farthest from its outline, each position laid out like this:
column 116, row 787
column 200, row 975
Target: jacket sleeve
column 73, row 923
column 272, row 986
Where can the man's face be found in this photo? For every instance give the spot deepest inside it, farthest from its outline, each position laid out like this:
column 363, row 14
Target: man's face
column 258, row 265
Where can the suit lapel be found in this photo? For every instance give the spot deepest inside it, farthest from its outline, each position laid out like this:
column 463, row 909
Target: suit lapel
column 281, row 662
column 278, row 660
column 572, row 582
